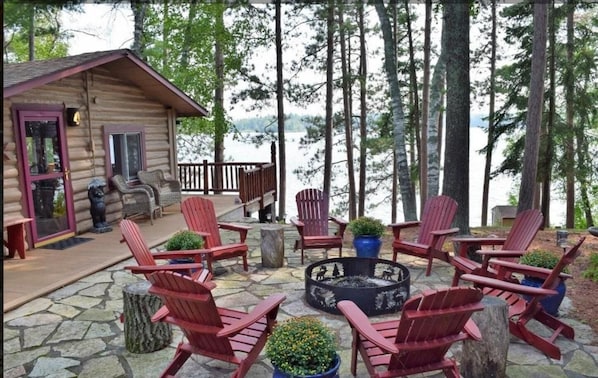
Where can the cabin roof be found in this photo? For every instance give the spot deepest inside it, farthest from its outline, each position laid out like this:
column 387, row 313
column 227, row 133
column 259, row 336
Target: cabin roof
column 123, row 63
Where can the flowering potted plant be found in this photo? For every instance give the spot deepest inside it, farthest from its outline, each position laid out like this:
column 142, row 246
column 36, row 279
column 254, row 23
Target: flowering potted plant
column 547, row 260
column 303, row 347
column 366, row 236
column 183, row 241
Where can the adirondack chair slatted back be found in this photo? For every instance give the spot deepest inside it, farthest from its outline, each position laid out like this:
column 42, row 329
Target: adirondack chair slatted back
column 524, row 230
column 200, row 216
column 434, row 320
column 132, row 236
column 312, row 208
column 191, row 306
column 438, row 214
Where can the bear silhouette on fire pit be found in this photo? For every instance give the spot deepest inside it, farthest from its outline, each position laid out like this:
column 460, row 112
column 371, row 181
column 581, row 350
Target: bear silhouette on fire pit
column 95, row 193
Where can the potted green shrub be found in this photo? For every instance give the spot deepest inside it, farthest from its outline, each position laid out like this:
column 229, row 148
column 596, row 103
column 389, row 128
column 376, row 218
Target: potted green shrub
column 366, row 236
column 182, row 241
column 303, row 347
column 548, row 260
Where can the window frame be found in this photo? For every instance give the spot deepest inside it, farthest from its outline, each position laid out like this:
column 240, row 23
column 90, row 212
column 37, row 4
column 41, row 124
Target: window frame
column 110, row 131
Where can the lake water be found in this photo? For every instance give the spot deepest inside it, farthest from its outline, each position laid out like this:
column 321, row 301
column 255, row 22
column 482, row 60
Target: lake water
column 500, row 187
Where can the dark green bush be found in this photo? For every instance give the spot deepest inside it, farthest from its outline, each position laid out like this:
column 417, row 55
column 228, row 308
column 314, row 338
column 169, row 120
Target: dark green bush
column 184, row 240
column 301, row 346
column 540, row 258
column 366, row 226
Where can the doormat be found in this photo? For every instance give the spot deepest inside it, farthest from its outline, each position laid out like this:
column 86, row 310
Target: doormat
column 66, row 243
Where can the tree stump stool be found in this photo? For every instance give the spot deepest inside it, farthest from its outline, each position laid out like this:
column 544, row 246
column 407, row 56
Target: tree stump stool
column 272, row 246
column 488, row 357
column 141, row 335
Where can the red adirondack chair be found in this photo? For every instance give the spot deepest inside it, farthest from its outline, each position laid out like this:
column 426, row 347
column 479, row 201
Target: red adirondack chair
column 522, row 233
column 147, row 260
column 437, row 217
column 522, row 311
column 228, row 335
column 312, row 223
column 200, row 217
column 430, row 323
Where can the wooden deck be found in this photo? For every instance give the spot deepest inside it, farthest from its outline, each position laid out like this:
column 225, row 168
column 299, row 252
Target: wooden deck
column 45, row 270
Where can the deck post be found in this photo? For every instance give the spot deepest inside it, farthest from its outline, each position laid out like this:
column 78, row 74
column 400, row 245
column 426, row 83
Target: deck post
column 206, row 182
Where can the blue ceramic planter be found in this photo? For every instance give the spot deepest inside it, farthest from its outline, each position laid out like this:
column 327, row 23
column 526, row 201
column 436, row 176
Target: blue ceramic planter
column 550, row 304
column 367, row 246
column 332, row 373
column 183, row 260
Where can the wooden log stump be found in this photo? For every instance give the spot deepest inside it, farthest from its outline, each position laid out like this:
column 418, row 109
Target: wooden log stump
column 141, row 335
column 272, row 246
column 488, row 357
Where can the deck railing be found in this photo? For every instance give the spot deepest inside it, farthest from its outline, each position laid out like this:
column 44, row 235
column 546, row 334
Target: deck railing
column 252, row 180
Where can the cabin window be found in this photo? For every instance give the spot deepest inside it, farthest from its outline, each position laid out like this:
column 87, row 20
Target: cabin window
column 126, row 146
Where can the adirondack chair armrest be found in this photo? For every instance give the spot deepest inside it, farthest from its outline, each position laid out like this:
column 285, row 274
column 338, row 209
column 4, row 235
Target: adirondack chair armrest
column 499, row 253
column 397, row 227
column 360, row 322
column 488, row 254
column 160, row 314
column 508, row 286
column 447, row 232
column 262, row 309
column 191, row 253
column 297, row 223
column 465, row 243
column 342, row 225
column 143, row 269
column 338, row 221
column 438, row 235
column 528, row 270
column 472, row 330
column 242, row 230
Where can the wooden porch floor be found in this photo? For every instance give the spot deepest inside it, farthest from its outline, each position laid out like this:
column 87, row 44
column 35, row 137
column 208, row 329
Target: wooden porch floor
column 45, row 270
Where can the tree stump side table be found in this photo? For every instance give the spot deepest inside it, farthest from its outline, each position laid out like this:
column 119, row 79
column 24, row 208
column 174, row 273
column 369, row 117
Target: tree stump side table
column 141, row 335
column 488, row 357
column 272, row 246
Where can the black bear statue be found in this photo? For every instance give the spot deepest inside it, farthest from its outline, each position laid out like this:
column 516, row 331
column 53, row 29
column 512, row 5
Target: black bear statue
column 95, row 193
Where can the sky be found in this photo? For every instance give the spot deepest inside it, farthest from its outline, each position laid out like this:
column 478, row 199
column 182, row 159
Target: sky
column 99, row 28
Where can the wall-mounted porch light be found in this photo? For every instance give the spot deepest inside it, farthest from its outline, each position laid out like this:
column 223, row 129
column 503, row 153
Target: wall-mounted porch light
column 73, row 117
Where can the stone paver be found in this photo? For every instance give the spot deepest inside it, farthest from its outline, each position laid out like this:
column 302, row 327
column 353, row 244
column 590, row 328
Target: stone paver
column 76, row 331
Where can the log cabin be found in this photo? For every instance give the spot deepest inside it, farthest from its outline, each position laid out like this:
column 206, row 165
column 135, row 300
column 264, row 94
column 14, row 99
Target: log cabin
column 70, row 120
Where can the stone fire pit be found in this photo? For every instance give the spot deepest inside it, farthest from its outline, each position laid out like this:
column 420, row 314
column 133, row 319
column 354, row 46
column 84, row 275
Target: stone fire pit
column 377, row 286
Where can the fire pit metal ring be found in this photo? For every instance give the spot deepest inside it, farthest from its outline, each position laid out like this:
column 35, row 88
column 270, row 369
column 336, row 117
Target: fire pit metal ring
column 377, row 286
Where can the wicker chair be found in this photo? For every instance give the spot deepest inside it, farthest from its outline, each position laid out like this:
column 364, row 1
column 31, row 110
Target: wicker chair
column 137, row 199
column 167, row 192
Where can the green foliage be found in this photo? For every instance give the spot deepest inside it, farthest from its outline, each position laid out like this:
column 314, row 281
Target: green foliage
column 540, row 259
column 592, row 271
column 184, row 240
column 59, row 205
column 301, row 346
column 366, row 226
column 50, row 38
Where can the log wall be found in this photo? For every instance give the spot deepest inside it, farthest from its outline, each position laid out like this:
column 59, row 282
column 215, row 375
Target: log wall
column 102, row 100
